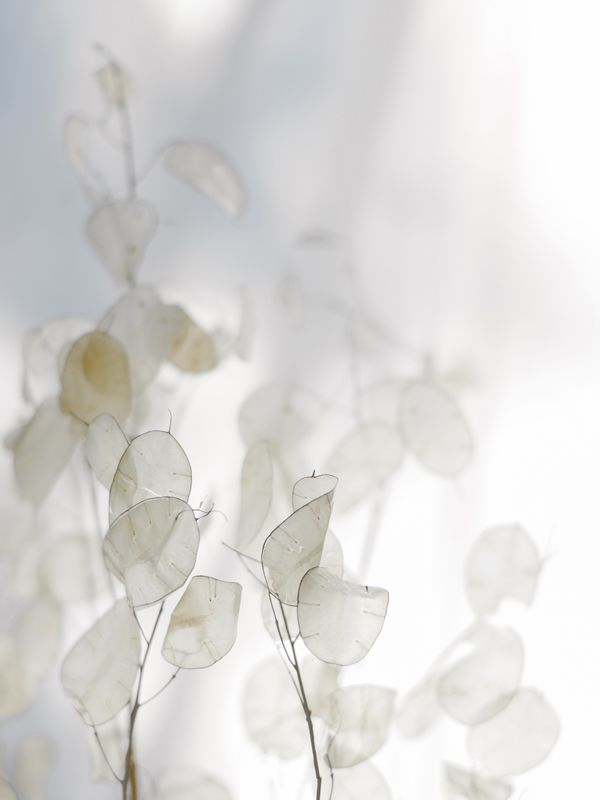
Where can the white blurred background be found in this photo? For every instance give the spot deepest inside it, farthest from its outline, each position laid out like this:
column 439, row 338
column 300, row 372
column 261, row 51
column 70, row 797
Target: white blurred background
column 452, row 148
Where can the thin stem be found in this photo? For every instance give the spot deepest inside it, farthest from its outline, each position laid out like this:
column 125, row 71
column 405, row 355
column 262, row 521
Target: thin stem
column 161, row 690
column 128, row 153
column 130, row 777
column 305, row 706
column 106, row 758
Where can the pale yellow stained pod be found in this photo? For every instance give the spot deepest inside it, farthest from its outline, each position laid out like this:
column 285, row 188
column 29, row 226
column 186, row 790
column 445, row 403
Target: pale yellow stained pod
column 201, row 167
column 99, row 671
column 192, row 348
column 361, row 782
column 434, row 428
column 256, row 491
column 34, row 758
column 517, row 739
column 105, row 444
column 203, row 625
column 42, row 450
column 17, row 685
column 271, row 710
column 418, row 709
column 467, row 785
column 71, row 568
column 120, row 233
column 360, row 717
column 145, row 327
column 189, row 783
column 339, row 621
column 95, row 378
column 364, row 460
column 42, row 349
column 483, row 681
column 151, row 548
column 153, row 465
column 296, row 545
column 38, row 635
column 502, row 563
column 6, row 791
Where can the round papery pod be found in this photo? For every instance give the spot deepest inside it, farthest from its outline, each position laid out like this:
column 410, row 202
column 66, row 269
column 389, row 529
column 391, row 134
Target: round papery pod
column 418, row 709
column 434, row 428
column 271, row 710
column 192, row 349
column 517, row 739
column 201, row 167
column 152, row 547
column 95, row 378
column 460, row 783
column 203, row 625
column 145, row 328
column 267, row 415
column 256, row 491
column 105, row 444
column 17, row 686
column 120, row 233
column 153, row 465
column 364, row 460
column 361, row 782
column 502, row 563
column 339, row 621
column 42, row 450
column 482, row 683
column 189, row 783
column 359, row 717
column 100, row 669
column 296, row 545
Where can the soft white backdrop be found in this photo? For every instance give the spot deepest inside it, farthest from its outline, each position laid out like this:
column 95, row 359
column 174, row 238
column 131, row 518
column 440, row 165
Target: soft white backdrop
column 452, row 145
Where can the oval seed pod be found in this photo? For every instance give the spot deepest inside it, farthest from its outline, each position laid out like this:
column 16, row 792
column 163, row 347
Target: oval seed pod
column 105, row 444
column 153, row 465
column 359, row 782
column 517, row 739
column 460, row 783
column 99, row 671
column 192, row 349
column 151, row 548
column 482, row 683
column 201, row 167
column 120, row 233
column 503, row 562
column 95, row 378
column 434, row 428
column 360, row 717
column 271, row 711
column 42, row 450
column 339, row 621
column 256, row 492
column 364, row 460
column 296, row 545
column 203, row 625
column 418, row 709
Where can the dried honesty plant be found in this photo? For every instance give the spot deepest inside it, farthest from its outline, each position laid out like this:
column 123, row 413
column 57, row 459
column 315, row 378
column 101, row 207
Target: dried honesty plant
column 91, row 388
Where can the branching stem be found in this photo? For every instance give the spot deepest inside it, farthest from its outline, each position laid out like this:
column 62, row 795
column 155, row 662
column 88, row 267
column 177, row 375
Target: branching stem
column 129, row 779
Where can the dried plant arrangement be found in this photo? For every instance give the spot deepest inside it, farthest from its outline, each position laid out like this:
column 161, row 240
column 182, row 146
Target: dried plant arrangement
column 129, row 560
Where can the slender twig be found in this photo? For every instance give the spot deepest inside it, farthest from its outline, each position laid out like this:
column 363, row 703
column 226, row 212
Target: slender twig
column 162, row 689
column 305, row 705
column 129, row 763
column 281, row 638
column 106, row 758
